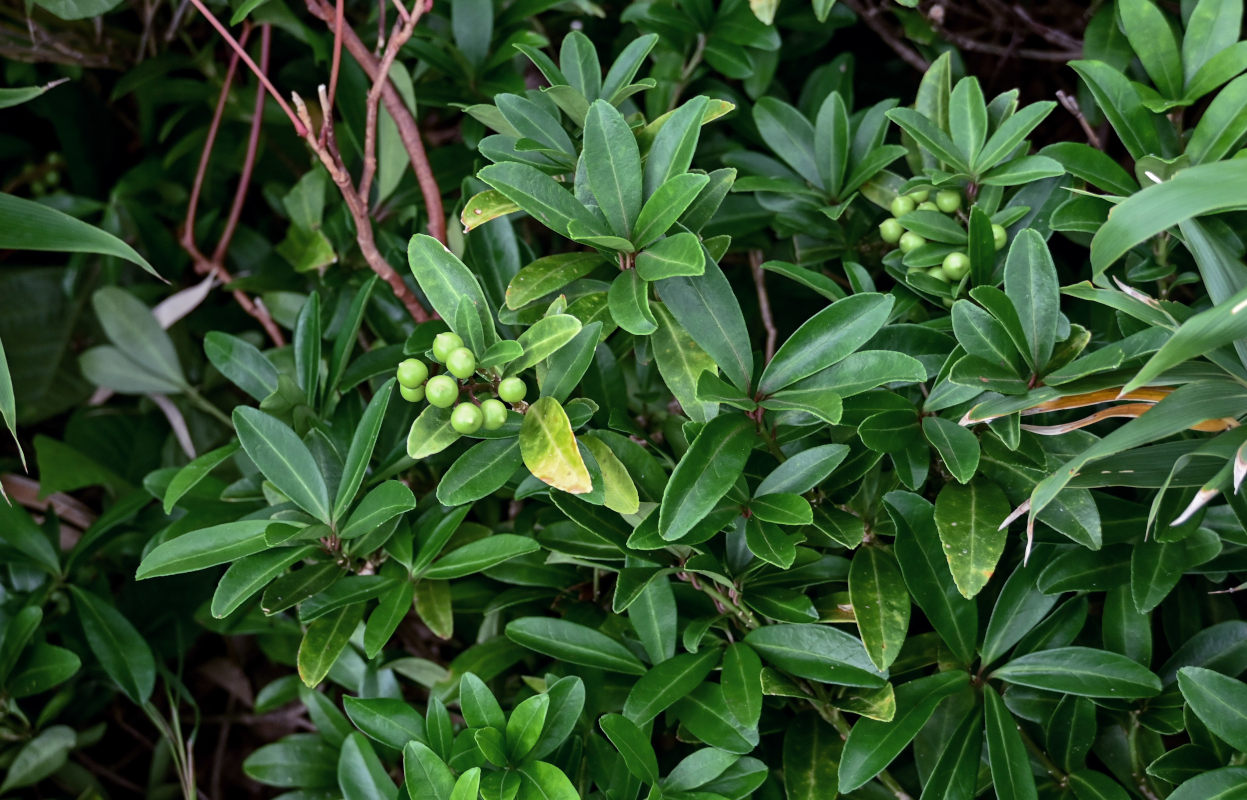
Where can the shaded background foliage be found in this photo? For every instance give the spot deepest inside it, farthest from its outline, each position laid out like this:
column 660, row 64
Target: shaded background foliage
column 836, row 600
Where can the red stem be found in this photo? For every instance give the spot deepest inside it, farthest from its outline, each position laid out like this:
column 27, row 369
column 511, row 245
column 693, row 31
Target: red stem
column 232, row 42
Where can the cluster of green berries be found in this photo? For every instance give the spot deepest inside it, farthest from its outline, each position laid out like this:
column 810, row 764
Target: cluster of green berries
column 948, row 201
column 442, row 390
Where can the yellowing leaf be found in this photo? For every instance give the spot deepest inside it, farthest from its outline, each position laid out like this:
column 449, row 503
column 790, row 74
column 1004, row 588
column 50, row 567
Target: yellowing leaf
column 548, row 447
column 485, row 206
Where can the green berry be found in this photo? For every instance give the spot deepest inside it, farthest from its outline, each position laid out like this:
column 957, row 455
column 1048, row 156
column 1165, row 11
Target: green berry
column 412, row 394
column 444, row 344
column 1000, row 237
column 461, row 362
column 52, row 177
column 939, row 274
column 512, row 390
column 442, row 391
column 902, row 205
column 466, row 418
column 495, row 413
column 919, row 195
column 948, row 200
column 956, row 265
column 911, row 241
column 412, row 373
column 891, row 231
column 928, row 206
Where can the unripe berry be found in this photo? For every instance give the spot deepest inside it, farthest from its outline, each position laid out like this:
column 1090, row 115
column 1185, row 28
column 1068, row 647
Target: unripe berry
column 939, row 274
column 1000, row 237
column 919, row 195
column 446, row 343
column 411, row 394
column 956, row 265
column 928, row 206
column 902, row 205
column 512, row 389
column 911, row 241
column 442, row 391
column 948, row 200
column 495, row 413
column 890, row 230
column 412, row 373
column 466, row 418
column 461, row 362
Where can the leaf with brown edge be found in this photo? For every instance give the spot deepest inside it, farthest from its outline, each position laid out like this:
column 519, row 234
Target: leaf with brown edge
column 549, row 450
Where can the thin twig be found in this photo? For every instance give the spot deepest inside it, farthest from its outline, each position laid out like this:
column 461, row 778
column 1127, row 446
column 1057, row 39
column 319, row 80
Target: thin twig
column 408, row 130
column 216, row 264
column 403, row 30
column 1070, row 103
column 871, row 18
column 248, row 164
column 338, row 24
column 229, row 39
column 332, row 160
column 764, row 302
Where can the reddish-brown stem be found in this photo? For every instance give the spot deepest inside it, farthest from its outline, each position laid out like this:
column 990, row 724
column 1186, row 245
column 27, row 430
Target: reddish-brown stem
column 764, row 302
column 408, row 130
column 403, row 30
column 216, row 264
column 338, row 24
column 358, row 208
column 248, row 164
column 232, row 42
column 188, row 229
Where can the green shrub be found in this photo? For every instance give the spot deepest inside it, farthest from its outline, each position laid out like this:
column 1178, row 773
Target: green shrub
column 756, row 433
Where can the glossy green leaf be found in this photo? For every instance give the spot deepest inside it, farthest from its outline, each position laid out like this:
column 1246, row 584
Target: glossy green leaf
column 674, row 256
column 430, row 433
column 1219, row 701
column 361, row 774
column 707, row 471
column 613, row 165
column 549, row 274
column 206, row 547
column 628, row 299
column 633, row 745
column 826, row 338
column 120, row 648
column 383, row 503
column 190, row 475
column 706, row 306
column 324, row 641
column 880, row 604
column 958, row 447
column 665, row 205
column 1006, row 753
column 284, row 460
column 968, row 519
column 872, row 745
column 426, row 776
column 1227, row 783
column 1193, row 192
column 247, row 576
column 818, row 653
column 574, row 643
column 1031, row 281
column 538, row 194
column 27, row 225
column 923, row 564
column 363, row 442
column 242, row 363
column 667, row 682
column 1154, row 43
column 1081, row 671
